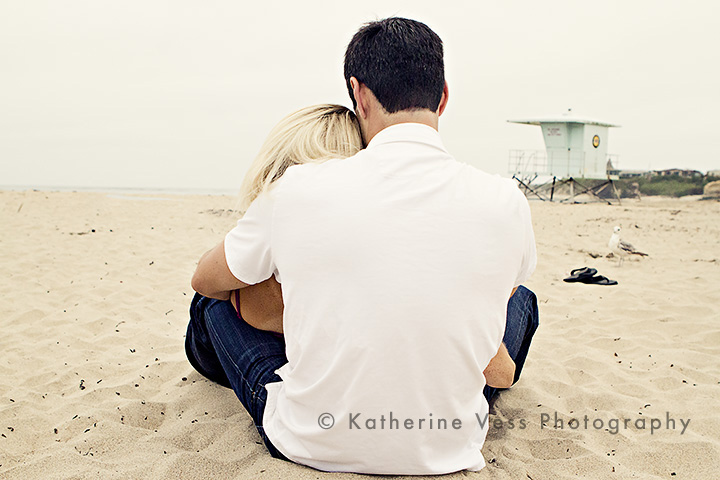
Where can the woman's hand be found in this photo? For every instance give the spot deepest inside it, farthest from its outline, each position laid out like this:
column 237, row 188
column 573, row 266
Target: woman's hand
column 500, row 372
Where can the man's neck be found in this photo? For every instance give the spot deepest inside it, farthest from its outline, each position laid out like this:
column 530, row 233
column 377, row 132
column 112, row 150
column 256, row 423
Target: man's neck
column 381, row 122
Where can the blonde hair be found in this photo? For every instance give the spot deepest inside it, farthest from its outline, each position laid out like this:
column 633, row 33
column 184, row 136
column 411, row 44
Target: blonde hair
column 310, row 135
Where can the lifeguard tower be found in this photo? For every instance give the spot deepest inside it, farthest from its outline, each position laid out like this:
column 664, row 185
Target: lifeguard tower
column 575, row 148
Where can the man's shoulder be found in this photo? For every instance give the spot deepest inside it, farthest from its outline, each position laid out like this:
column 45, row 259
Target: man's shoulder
column 489, row 181
column 301, row 174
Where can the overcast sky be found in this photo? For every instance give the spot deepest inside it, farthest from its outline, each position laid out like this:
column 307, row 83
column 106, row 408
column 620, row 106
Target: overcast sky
column 180, row 94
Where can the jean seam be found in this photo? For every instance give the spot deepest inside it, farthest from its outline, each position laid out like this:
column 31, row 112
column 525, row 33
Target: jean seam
column 232, row 361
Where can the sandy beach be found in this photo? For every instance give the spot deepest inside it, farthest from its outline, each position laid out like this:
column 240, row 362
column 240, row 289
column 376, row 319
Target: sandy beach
column 94, row 382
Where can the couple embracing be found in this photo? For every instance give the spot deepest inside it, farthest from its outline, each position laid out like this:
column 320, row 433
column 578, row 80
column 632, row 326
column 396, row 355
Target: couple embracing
column 372, row 276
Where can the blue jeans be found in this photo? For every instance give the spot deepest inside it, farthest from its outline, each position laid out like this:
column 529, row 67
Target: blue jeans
column 229, row 351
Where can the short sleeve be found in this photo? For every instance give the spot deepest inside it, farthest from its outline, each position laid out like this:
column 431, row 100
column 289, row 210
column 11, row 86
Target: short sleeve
column 247, row 246
column 529, row 251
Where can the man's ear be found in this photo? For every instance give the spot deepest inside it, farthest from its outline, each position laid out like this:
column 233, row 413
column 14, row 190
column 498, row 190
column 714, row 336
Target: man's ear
column 443, row 100
column 360, row 99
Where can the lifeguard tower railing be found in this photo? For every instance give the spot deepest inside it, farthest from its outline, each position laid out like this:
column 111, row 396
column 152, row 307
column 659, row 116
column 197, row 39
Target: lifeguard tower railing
column 535, row 172
column 536, row 163
column 528, row 162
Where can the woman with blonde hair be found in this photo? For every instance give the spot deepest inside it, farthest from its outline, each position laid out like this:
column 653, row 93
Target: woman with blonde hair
column 253, row 316
column 310, row 135
column 313, row 134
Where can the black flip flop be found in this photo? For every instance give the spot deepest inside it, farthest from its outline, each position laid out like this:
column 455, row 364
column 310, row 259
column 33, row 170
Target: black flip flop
column 580, row 275
column 599, row 280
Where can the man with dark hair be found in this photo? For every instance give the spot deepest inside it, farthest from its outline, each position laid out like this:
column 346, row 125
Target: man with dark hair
column 405, row 70
column 401, row 272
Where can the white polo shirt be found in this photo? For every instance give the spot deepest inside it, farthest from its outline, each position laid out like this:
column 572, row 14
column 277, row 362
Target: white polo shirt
column 396, row 267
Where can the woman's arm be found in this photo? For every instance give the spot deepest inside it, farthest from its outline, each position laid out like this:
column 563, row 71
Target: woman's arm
column 213, row 278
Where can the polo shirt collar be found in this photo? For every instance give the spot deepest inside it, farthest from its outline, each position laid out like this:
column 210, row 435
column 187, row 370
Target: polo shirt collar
column 408, row 132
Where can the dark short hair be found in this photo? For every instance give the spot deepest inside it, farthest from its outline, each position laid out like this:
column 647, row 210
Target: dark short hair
column 400, row 60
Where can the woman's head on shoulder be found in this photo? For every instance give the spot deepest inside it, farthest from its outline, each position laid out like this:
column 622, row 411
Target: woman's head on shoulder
column 310, row 135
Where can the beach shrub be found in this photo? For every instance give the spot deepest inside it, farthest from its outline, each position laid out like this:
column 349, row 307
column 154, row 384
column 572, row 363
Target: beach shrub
column 670, row 185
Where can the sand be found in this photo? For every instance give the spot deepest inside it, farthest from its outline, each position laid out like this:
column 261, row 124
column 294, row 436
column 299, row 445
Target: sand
column 94, row 382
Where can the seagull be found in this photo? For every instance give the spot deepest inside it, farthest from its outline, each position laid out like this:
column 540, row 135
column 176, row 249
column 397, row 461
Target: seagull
column 621, row 248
